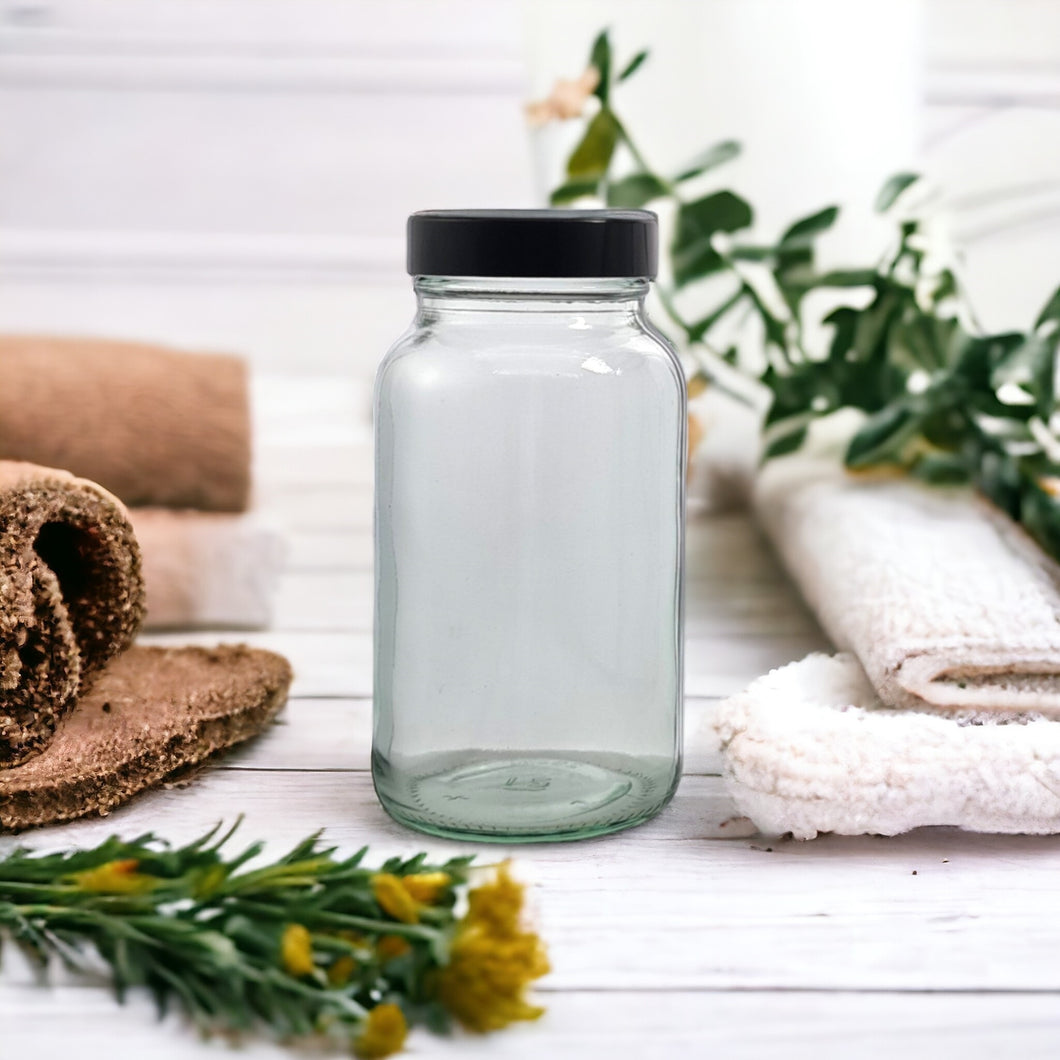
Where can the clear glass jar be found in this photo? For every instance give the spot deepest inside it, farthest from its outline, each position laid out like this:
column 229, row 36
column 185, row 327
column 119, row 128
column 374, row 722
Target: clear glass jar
column 530, row 453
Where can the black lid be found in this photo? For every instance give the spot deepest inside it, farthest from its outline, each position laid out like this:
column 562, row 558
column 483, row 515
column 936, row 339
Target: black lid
column 545, row 243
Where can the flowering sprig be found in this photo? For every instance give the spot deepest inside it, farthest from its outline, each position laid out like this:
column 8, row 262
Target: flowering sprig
column 937, row 397
column 311, row 944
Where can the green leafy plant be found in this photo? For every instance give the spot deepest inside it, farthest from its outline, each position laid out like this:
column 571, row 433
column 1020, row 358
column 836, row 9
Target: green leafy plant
column 311, row 944
column 939, row 398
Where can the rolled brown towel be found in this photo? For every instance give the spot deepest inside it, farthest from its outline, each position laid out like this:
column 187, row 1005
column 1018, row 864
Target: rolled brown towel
column 71, row 598
column 152, row 425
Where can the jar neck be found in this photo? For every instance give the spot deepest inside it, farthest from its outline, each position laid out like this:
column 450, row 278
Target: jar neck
column 445, row 295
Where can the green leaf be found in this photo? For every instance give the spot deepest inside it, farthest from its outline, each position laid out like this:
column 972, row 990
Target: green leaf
column 999, row 478
column 940, row 469
column 1051, row 313
column 695, row 262
column 633, row 65
column 882, row 436
column 845, row 321
column 911, row 344
column 794, row 396
column 874, row 322
column 847, row 278
column 573, row 190
column 1040, row 514
column 718, row 212
column 1031, row 366
column 893, row 188
column 592, row 156
column 947, row 287
column 785, row 443
column 600, row 58
column 747, row 252
column 794, row 268
column 776, row 333
column 635, row 190
column 715, row 155
column 802, row 233
column 945, row 427
column 974, row 358
column 697, row 222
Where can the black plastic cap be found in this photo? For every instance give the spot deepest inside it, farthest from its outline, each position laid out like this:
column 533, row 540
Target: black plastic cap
column 528, row 243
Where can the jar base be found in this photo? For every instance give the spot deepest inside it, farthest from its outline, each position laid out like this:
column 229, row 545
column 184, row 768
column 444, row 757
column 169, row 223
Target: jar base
column 545, row 797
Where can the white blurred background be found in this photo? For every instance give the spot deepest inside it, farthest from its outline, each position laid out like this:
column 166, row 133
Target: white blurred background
column 235, row 174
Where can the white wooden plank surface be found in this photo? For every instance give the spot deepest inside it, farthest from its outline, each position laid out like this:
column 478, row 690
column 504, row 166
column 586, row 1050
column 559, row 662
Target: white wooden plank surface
column 673, row 906
column 687, row 936
column 655, row 1026
column 295, row 743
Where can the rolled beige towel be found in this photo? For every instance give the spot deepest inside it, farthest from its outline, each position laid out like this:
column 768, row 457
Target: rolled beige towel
column 208, row 569
column 944, row 600
column 153, row 426
column 71, row 598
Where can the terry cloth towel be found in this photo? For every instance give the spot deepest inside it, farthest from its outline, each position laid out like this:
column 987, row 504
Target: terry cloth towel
column 81, row 730
column 809, row 748
column 945, row 601
column 71, row 598
column 153, row 426
column 208, row 569
column 152, row 713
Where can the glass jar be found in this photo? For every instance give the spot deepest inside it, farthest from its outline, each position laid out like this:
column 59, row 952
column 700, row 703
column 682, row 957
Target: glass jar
column 530, row 454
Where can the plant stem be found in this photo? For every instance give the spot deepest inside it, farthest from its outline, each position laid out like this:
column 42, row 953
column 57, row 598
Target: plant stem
column 641, row 161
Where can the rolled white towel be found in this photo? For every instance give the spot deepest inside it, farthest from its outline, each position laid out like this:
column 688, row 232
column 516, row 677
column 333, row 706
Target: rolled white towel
column 810, row 748
column 945, row 601
column 208, row 569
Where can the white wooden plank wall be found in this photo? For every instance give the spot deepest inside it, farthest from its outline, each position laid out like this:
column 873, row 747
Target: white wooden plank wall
column 235, row 173
column 992, row 140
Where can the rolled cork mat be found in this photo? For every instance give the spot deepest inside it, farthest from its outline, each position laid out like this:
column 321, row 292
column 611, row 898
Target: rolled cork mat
column 71, row 598
column 152, row 713
column 153, row 426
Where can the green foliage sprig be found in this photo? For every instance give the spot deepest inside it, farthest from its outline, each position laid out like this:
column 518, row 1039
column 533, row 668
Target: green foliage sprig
column 311, row 944
column 940, row 399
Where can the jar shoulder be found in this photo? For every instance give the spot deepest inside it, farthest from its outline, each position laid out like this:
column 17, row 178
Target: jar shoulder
column 634, row 353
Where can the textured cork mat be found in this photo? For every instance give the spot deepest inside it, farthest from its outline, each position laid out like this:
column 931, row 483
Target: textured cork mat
column 150, row 714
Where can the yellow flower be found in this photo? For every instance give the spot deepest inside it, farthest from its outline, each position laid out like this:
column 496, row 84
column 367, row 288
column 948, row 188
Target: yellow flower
column 383, row 1034
column 115, row 877
column 695, row 435
column 342, row 970
column 696, row 386
column 390, row 947
column 426, row 887
column 296, row 951
column 492, row 960
column 566, row 100
column 394, row 899
column 497, row 904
